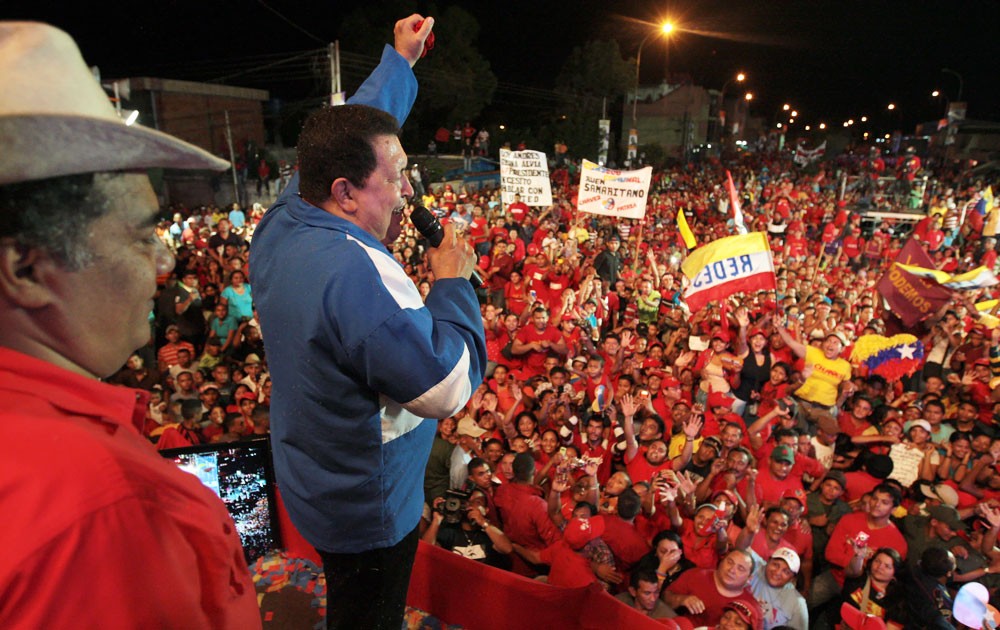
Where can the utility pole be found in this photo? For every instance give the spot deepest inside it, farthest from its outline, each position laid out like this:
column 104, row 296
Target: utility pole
column 232, row 159
column 336, row 95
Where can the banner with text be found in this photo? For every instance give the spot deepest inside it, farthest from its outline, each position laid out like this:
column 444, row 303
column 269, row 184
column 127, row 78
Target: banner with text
column 613, row 193
column 912, row 298
column 525, row 173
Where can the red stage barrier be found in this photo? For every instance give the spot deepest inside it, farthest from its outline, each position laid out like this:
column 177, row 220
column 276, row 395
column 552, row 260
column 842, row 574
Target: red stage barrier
column 464, row 592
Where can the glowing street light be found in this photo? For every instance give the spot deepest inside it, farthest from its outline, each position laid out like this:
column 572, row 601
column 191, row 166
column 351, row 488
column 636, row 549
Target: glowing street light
column 822, row 125
column 778, row 125
column 741, row 77
column 665, row 29
column 786, row 107
column 808, row 128
column 936, row 93
column 748, row 96
column 891, row 107
column 794, row 113
column 864, row 119
column 850, row 121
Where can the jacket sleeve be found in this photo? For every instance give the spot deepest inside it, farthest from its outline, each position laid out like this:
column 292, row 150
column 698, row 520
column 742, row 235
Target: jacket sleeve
column 390, row 87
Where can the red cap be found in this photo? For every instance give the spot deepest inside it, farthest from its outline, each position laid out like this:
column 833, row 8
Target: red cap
column 795, row 493
column 747, row 612
column 533, row 250
column 719, row 399
column 670, row 381
column 581, row 531
column 857, row 620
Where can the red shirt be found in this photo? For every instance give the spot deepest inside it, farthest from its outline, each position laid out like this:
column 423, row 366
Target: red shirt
column 534, row 360
column 102, row 530
column 525, row 516
column 639, row 469
column 840, row 550
column 701, row 583
column 628, row 545
column 569, row 568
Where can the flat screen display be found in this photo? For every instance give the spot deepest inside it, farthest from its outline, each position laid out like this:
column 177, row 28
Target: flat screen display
column 240, row 473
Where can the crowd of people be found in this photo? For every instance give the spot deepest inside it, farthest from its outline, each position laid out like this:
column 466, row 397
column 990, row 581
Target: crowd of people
column 726, row 464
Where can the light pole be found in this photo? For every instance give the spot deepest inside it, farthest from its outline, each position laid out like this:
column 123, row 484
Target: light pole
column 739, row 78
column 666, row 28
column 961, row 83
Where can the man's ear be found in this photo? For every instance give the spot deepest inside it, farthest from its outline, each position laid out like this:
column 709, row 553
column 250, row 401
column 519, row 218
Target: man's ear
column 22, row 274
column 342, row 193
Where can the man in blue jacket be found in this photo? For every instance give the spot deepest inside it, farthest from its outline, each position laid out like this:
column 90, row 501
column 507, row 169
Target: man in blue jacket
column 358, row 360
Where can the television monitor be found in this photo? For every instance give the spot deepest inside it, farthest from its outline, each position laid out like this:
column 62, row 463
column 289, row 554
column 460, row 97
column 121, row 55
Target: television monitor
column 241, row 474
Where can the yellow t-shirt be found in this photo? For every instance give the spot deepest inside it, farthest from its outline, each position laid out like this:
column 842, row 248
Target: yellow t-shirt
column 827, row 375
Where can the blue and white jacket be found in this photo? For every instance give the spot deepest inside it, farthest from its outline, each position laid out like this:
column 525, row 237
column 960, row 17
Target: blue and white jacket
column 357, row 360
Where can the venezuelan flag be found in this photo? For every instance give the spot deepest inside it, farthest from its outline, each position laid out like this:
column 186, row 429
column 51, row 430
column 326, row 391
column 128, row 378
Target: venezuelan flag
column 729, row 265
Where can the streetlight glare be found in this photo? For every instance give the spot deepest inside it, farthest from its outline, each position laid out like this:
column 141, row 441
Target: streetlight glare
column 786, row 107
column 850, row 121
column 864, row 119
column 749, row 96
column 794, row 113
column 791, row 120
column 667, row 28
column 935, row 94
column 822, row 125
column 808, row 128
column 779, row 125
column 892, row 106
column 741, row 77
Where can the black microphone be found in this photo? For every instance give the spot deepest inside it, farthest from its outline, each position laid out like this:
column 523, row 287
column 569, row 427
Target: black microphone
column 430, row 228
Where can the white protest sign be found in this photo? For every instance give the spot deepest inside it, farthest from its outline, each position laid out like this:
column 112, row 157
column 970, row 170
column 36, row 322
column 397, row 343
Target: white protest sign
column 525, row 173
column 613, row 193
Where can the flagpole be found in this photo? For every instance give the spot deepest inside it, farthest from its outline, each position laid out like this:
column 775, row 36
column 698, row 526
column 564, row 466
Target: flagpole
column 638, row 246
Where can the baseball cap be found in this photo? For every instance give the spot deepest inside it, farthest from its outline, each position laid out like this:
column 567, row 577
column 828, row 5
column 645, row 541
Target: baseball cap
column 795, row 493
column 839, row 335
column 942, row 492
column 172, row 327
column 670, row 381
column 783, row 453
column 749, row 614
column 56, row 120
column 923, row 424
column 714, row 443
column 949, row 516
column 467, row 426
column 789, row 556
column 207, row 386
column 719, row 399
column 837, row 476
column 252, row 359
column 580, row 531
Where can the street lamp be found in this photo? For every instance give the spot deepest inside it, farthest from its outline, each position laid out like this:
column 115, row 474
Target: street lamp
column 666, row 28
column 748, row 96
column 786, row 107
column 822, row 125
column 891, row 106
column 961, row 83
column 739, row 78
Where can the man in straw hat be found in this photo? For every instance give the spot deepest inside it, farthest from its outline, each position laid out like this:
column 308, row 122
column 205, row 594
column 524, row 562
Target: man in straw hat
column 98, row 530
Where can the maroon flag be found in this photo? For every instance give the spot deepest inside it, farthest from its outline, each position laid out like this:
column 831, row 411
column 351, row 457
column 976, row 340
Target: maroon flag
column 911, row 298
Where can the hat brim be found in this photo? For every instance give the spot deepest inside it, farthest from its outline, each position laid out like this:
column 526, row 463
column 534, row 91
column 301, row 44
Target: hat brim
column 41, row 146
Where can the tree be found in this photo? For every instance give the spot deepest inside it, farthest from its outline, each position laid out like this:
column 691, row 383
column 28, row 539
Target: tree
column 592, row 75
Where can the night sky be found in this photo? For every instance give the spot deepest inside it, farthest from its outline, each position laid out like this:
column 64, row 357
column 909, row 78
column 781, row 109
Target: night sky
column 830, row 59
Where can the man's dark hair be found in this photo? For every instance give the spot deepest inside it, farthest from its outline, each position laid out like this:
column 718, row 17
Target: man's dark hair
column 54, row 214
column 586, row 504
column 661, row 427
column 491, row 442
column 642, row 575
column 477, row 462
column 337, row 142
column 524, row 467
column 891, row 490
column 936, row 402
column 629, row 504
column 935, row 562
column 782, row 432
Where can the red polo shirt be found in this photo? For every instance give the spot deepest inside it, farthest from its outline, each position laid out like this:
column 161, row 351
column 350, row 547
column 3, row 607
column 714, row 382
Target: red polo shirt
column 102, row 531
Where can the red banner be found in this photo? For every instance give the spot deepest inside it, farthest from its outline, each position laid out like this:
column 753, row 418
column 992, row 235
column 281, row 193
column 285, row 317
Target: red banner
column 911, row 298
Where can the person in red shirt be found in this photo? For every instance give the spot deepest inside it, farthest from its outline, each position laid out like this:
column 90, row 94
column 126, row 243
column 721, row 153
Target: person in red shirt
column 524, row 512
column 534, row 342
column 567, row 557
column 518, row 210
column 773, row 481
column 879, row 531
column 642, row 462
column 99, row 531
column 704, row 593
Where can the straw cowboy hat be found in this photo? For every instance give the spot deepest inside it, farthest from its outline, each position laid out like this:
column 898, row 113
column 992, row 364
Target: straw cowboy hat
column 56, row 120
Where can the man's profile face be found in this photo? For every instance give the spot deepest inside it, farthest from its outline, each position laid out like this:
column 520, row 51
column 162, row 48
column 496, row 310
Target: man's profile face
column 384, row 189
column 127, row 256
column 481, row 476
